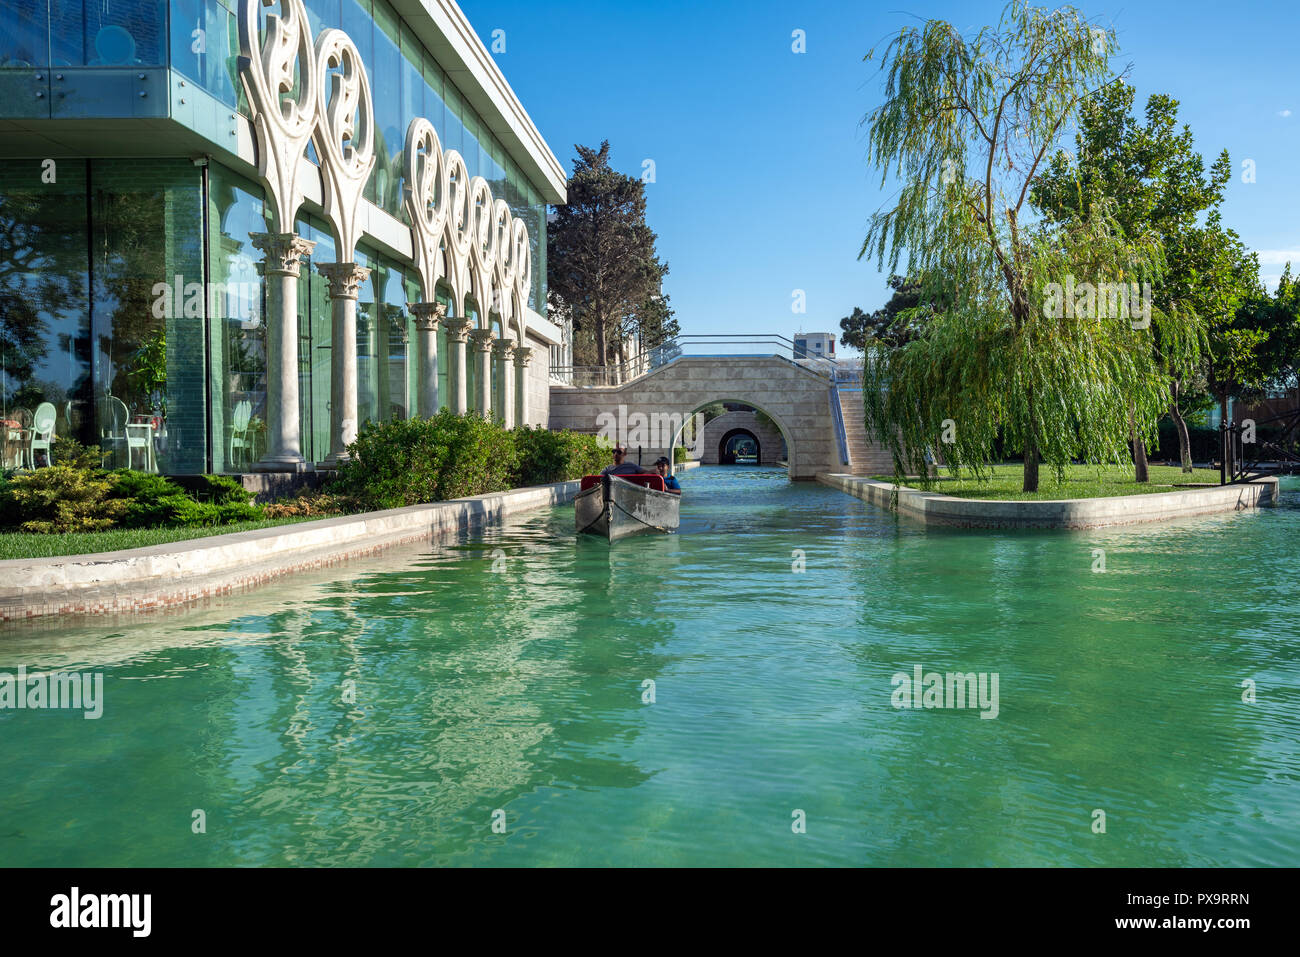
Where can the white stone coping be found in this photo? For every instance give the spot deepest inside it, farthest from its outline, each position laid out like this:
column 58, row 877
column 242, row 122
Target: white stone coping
column 141, row 579
column 935, row 508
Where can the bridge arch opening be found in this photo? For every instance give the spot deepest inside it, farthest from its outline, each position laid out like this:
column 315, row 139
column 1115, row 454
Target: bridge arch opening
column 740, row 447
column 777, row 450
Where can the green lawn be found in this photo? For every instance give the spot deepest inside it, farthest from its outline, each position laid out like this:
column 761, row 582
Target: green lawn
column 26, row 545
column 1081, row 481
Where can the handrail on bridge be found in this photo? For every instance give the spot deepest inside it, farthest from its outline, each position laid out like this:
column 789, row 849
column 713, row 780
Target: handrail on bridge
column 837, row 417
column 688, row 345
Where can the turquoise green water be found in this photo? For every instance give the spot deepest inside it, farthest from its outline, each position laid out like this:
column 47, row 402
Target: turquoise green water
column 521, row 690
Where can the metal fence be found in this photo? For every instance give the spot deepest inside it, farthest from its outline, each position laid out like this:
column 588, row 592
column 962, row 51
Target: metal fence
column 709, row 346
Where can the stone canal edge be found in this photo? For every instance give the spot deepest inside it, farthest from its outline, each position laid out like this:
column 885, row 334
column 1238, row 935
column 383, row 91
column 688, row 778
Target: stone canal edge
column 163, row 576
column 934, row 508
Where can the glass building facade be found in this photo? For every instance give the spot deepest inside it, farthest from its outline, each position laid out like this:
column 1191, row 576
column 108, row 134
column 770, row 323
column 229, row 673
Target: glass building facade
column 130, row 296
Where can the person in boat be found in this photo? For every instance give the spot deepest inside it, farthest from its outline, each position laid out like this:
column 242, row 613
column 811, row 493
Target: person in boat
column 621, row 466
column 663, row 467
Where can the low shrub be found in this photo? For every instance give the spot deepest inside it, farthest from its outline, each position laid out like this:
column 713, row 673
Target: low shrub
column 408, row 462
column 218, row 489
column 545, row 456
column 411, row 461
column 8, row 507
column 61, row 499
column 68, row 451
column 310, row 504
column 153, row 501
column 680, row 455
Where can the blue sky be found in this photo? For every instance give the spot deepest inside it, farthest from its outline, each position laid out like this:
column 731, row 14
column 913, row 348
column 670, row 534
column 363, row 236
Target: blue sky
column 761, row 184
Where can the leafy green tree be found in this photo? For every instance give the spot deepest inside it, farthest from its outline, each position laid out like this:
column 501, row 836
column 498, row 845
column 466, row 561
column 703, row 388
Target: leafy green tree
column 1255, row 341
column 651, row 322
column 602, row 269
column 1215, row 275
column 964, row 127
column 896, row 323
column 1158, row 182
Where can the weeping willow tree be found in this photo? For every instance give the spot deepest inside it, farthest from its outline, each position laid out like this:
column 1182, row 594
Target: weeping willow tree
column 1029, row 342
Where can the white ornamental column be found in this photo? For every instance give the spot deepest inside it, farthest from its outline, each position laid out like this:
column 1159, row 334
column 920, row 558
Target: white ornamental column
column 280, row 266
column 457, row 335
column 482, row 339
column 269, row 59
column 427, row 199
column 345, row 280
column 522, row 355
column 345, row 143
column 502, row 353
column 426, row 316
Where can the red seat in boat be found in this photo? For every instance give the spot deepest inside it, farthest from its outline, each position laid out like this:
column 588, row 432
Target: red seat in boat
column 648, row 480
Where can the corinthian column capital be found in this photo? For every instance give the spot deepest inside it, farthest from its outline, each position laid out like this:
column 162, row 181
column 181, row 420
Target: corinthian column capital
column 482, row 340
column 427, row 314
column 457, row 329
column 345, row 279
column 502, row 349
column 523, row 354
column 283, row 252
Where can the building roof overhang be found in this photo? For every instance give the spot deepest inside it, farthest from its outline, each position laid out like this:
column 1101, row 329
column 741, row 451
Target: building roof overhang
column 444, row 29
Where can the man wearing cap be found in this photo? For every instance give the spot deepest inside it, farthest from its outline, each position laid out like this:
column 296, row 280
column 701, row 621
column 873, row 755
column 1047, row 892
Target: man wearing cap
column 670, row 481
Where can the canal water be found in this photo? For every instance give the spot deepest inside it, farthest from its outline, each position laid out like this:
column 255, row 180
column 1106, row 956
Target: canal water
column 726, row 695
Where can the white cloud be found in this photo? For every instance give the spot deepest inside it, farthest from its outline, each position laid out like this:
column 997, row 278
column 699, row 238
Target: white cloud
column 1283, row 112
column 1278, row 257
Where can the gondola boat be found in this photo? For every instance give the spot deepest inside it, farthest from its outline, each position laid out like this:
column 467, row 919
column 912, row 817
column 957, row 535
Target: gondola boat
column 617, row 506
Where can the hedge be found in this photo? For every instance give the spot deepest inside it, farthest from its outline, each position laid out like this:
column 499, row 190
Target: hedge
column 413, row 461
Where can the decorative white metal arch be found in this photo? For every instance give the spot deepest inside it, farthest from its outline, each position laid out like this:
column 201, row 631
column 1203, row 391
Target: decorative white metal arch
column 461, row 235
column 274, row 64
column 345, row 144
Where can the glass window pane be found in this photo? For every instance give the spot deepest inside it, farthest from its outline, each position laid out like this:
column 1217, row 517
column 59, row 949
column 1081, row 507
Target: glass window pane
column 323, row 13
column 387, row 21
column 358, row 25
column 44, row 322
column 67, row 33
column 390, row 133
column 453, row 131
column 205, row 47
column 148, row 313
column 108, row 32
column 237, row 337
column 470, row 149
column 393, row 340
column 315, row 341
column 24, row 42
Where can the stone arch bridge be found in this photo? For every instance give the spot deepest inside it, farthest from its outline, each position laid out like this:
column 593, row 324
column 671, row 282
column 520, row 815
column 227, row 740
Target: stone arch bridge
column 649, row 411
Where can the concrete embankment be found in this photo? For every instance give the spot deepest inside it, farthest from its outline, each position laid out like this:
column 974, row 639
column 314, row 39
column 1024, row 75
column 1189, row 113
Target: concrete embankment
column 143, row 579
column 934, row 508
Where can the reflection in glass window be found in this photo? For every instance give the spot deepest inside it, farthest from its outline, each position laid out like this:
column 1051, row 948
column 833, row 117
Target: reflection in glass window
column 148, row 309
column 392, row 343
column 108, row 32
column 44, row 327
column 315, row 340
column 390, row 130
column 24, row 41
column 237, row 338
column 358, row 25
column 443, row 295
column 205, row 46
